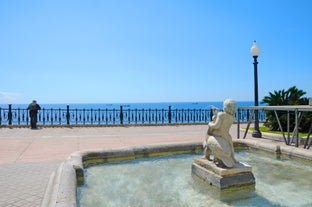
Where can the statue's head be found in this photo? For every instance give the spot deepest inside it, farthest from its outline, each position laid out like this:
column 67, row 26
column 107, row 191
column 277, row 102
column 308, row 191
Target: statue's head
column 229, row 106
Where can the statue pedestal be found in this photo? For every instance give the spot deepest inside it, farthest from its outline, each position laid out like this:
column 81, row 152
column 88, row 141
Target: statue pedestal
column 223, row 178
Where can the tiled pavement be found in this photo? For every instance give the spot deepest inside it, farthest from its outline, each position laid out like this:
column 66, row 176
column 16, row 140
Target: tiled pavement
column 23, row 184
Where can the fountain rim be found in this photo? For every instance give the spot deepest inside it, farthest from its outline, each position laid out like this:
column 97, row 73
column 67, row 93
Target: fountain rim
column 62, row 187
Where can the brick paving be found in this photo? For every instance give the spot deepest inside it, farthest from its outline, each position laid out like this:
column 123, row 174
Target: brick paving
column 23, row 184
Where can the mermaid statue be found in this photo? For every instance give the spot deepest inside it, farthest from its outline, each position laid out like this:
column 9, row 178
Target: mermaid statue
column 218, row 141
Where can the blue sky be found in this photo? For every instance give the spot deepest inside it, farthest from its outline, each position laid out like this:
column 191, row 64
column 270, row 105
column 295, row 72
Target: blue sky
column 112, row 51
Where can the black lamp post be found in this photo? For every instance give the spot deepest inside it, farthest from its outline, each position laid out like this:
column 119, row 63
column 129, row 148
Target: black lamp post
column 255, row 53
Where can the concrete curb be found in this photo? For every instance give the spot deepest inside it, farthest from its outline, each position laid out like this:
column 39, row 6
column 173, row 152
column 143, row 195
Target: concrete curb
column 61, row 190
column 278, row 148
column 62, row 187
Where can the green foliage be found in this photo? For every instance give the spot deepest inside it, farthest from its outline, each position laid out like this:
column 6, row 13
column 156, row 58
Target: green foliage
column 292, row 96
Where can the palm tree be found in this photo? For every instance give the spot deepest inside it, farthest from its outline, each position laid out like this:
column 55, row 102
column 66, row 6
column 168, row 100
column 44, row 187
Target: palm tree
column 293, row 96
column 275, row 99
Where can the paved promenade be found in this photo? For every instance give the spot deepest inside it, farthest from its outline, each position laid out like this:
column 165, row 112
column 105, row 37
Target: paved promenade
column 28, row 157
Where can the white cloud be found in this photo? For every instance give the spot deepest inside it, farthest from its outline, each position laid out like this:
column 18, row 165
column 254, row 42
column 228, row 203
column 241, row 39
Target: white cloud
column 8, row 97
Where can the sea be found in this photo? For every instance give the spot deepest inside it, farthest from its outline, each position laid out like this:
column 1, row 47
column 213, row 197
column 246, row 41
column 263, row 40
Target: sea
column 155, row 105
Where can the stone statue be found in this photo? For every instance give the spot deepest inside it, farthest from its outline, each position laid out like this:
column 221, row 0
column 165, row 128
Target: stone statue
column 218, row 140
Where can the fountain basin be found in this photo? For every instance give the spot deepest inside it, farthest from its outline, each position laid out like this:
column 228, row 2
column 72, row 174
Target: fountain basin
column 61, row 190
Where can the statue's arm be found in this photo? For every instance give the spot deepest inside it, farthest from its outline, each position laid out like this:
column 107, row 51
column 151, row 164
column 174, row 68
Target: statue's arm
column 217, row 124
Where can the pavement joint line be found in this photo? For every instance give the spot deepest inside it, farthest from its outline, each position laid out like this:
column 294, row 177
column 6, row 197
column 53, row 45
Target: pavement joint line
column 25, row 149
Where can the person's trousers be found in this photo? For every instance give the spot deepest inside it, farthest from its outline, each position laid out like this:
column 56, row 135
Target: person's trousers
column 33, row 122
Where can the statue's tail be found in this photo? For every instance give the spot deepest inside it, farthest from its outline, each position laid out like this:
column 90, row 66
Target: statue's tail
column 228, row 161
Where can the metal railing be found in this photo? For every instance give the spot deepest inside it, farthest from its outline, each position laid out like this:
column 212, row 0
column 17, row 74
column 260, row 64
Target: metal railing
column 297, row 111
column 108, row 117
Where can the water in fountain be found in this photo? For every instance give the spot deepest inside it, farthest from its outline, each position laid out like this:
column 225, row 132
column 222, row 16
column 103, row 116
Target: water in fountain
column 167, row 181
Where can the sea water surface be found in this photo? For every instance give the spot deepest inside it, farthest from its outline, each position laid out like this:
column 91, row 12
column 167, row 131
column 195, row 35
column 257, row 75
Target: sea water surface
column 152, row 105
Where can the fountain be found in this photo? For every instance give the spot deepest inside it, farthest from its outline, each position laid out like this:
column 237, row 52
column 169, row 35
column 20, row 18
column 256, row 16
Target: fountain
column 223, row 171
column 167, row 181
column 122, row 180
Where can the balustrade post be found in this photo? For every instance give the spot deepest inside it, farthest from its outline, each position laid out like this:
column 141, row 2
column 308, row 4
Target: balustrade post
column 84, row 116
column 99, row 116
column 121, row 116
column 67, row 115
column 106, row 116
column 114, row 116
column 51, row 116
column 43, row 117
column 163, row 116
column 18, row 116
column 182, row 115
column 211, row 114
column 238, row 122
column 60, row 116
column 169, row 115
column 247, row 117
column 76, row 116
column 10, row 114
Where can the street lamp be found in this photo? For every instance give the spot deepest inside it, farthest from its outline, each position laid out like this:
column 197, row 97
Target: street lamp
column 255, row 53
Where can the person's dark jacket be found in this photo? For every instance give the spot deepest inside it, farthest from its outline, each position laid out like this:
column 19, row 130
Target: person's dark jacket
column 33, row 109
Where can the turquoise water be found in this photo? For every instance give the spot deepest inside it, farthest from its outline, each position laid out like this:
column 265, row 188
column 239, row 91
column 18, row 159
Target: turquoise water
column 167, row 181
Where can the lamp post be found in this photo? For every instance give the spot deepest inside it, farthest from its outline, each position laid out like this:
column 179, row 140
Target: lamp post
column 255, row 53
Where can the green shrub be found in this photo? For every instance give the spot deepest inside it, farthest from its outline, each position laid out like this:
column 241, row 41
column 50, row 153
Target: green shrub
column 292, row 96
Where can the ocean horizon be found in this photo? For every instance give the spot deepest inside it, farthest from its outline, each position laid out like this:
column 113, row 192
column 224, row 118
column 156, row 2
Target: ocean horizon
column 151, row 105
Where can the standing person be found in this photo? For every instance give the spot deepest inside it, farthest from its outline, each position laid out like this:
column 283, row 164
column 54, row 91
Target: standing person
column 33, row 108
